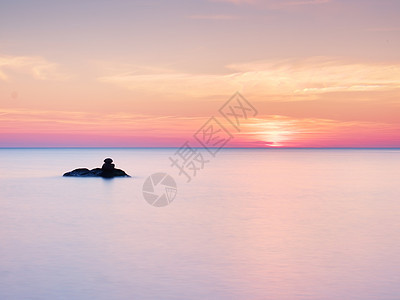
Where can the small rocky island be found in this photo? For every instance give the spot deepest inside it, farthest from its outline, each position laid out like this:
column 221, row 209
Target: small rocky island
column 108, row 170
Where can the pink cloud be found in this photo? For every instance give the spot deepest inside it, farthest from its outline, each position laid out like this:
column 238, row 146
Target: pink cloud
column 214, row 17
column 275, row 4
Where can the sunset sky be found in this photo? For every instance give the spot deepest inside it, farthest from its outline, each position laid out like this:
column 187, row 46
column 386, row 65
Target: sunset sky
column 321, row 73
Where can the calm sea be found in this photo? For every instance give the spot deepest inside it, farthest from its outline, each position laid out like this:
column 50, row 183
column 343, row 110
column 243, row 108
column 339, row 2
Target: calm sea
column 252, row 224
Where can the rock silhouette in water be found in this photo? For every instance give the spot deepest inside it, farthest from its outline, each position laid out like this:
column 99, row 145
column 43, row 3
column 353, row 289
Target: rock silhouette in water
column 108, row 170
column 108, row 165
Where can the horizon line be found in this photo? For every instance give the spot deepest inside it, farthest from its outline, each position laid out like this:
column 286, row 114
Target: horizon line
column 257, row 148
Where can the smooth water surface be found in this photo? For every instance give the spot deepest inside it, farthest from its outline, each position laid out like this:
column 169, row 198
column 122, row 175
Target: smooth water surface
column 253, row 224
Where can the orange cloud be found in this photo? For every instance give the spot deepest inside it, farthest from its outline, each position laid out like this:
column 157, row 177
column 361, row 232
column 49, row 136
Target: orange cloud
column 59, row 128
column 68, row 127
column 37, row 67
column 306, row 77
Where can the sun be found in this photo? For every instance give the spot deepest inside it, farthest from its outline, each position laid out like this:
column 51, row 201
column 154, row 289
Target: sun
column 276, row 138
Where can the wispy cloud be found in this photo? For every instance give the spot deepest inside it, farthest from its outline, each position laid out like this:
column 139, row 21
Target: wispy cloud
column 19, row 120
column 275, row 4
column 214, row 17
column 38, row 67
column 319, row 75
column 237, row 1
column 84, row 128
column 312, row 76
column 384, row 29
column 307, row 2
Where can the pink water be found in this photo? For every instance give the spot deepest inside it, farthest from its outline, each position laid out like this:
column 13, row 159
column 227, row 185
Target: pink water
column 253, row 224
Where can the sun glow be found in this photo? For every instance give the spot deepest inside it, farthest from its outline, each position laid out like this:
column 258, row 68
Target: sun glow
column 276, row 138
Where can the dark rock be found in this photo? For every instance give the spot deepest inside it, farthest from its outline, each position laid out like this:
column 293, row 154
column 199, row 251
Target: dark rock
column 107, row 171
column 108, row 166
